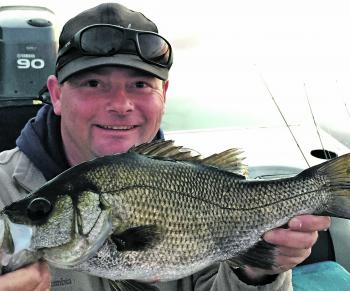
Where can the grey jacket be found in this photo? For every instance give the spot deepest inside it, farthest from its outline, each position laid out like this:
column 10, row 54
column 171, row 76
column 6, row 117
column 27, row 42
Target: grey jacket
column 18, row 177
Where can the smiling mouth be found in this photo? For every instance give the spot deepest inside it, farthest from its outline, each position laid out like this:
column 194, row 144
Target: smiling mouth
column 123, row 127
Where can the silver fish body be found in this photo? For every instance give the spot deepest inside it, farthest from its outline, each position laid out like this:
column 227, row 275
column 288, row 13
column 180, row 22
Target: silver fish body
column 131, row 216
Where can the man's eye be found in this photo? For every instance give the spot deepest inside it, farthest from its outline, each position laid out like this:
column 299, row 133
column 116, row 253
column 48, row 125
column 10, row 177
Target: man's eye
column 140, row 84
column 92, row 83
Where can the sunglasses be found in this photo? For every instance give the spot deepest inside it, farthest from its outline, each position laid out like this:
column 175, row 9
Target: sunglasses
column 108, row 40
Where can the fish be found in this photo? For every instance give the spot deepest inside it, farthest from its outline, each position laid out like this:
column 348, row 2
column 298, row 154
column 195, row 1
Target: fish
column 161, row 212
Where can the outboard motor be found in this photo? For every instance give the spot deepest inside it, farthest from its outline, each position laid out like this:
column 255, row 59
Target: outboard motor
column 27, row 51
column 27, row 57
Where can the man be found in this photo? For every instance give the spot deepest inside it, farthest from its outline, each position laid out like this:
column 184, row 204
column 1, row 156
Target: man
column 109, row 94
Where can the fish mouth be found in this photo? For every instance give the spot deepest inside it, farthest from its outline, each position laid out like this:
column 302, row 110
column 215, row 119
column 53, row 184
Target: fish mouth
column 117, row 127
column 15, row 242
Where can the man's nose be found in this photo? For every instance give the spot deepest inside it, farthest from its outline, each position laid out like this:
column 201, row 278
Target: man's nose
column 120, row 102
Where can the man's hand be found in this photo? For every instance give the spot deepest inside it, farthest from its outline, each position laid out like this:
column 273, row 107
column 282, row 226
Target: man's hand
column 294, row 245
column 35, row 277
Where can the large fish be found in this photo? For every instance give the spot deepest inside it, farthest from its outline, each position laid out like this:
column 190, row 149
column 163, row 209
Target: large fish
column 157, row 213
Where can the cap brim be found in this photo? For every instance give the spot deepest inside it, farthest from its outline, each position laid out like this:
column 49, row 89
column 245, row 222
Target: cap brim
column 132, row 61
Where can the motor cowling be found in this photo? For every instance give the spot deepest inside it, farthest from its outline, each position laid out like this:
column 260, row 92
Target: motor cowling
column 28, row 50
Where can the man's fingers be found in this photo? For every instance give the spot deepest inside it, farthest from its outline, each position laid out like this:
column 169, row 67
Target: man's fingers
column 290, row 238
column 309, row 223
column 45, row 277
column 34, row 277
column 293, row 253
column 288, row 258
column 294, row 243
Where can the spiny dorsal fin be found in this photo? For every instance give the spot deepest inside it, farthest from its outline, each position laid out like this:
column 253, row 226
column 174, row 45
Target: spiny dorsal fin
column 228, row 160
column 165, row 149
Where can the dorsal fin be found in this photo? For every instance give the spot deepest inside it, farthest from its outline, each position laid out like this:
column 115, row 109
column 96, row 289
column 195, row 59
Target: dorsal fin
column 229, row 160
column 166, row 149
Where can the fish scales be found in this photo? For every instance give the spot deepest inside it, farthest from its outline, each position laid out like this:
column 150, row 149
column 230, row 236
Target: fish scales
column 157, row 217
column 185, row 204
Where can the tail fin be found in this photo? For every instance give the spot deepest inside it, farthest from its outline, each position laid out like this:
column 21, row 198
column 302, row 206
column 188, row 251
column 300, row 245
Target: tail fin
column 338, row 173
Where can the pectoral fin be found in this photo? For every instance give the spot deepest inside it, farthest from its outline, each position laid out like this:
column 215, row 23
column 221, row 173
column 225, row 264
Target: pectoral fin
column 137, row 238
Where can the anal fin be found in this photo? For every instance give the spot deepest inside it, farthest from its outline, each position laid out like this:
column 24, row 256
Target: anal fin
column 128, row 285
column 261, row 255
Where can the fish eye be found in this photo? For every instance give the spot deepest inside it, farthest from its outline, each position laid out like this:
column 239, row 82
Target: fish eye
column 39, row 208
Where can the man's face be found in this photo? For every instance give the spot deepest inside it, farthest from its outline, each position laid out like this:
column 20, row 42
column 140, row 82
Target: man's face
column 107, row 110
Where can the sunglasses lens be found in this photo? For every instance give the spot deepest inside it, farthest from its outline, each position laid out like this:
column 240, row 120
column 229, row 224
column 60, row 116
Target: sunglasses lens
column 154, row 48
column 107, row 40
column 101, row 40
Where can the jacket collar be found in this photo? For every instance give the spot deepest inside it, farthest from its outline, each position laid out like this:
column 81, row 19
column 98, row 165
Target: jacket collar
column 27, row 175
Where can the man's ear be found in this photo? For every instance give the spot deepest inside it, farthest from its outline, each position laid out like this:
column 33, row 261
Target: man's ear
column 165, row 89
column 55, row 93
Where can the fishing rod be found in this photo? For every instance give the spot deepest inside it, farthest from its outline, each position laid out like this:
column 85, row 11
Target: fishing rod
column 284, row 119
column 345, row 104
column 326, row 154
column 346, row 108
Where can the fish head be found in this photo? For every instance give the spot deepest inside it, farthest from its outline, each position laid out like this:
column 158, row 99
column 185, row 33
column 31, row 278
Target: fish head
column 65, row 229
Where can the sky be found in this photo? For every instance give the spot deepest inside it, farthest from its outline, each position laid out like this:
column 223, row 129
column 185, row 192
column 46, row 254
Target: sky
column 236, row 54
